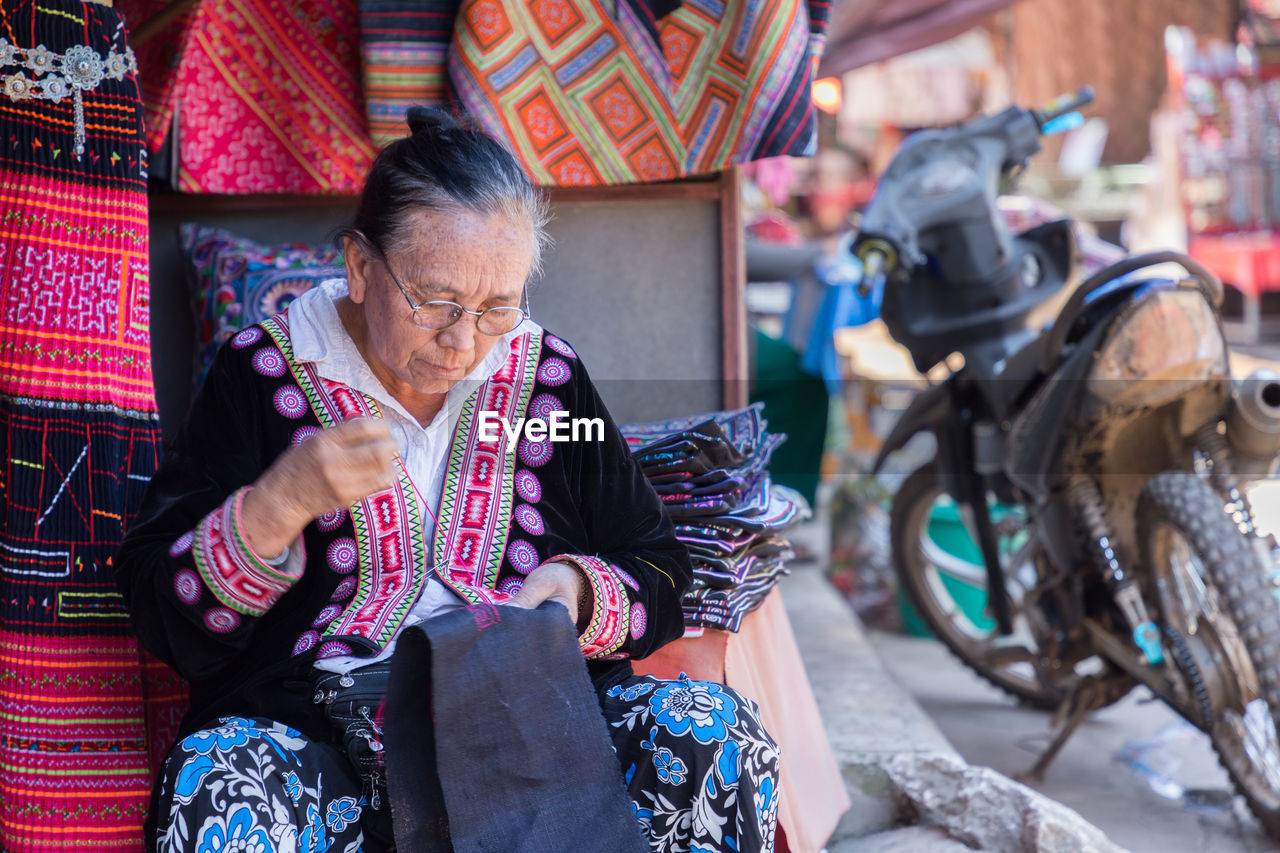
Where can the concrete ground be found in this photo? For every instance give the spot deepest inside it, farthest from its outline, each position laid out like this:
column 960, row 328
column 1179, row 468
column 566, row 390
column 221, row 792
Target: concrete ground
column 1135, row 770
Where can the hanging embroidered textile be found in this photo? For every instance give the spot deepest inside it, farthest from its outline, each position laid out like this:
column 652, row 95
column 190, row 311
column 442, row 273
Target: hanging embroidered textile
column 592, row 92
column 85, row 715
column 405, row 47
column 159, row 58
column 269, row 99
column 587, row 95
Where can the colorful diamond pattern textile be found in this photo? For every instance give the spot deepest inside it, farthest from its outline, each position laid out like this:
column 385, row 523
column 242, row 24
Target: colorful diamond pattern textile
column 604, row 92
column 587, row 95
column 270, row 99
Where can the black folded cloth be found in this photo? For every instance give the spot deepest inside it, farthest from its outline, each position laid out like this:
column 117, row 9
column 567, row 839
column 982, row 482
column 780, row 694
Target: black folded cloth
column 710, row 472
column 709, row 459
column 705, row 444
column 708, row 607
column 495, row 740
column 743, row 427
column 724, row 572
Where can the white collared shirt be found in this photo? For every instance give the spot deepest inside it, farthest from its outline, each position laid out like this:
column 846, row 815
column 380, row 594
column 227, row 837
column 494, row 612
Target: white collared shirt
column 319, row 337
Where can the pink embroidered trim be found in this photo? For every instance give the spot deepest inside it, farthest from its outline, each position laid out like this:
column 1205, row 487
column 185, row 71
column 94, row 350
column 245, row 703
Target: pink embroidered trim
column 391, row 545
column 393, row 552
column 229, row 567
column 610, row 614
column 475, row 504
column 478, row 594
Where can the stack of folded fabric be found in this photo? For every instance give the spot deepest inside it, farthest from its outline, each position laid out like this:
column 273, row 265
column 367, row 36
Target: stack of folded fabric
column 709, row 471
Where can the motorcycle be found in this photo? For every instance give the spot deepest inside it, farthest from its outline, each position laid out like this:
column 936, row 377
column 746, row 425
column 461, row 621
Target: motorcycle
column 1091, row 439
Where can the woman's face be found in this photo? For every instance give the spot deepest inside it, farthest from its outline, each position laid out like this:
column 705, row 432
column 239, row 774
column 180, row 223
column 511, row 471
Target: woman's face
column 476, row 260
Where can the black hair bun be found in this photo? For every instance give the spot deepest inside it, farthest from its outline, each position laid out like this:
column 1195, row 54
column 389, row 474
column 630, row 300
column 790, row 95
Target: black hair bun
column 430, row 120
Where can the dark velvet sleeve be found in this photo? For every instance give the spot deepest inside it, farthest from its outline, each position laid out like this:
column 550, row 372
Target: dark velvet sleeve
column 637, row 568
column 194, row 589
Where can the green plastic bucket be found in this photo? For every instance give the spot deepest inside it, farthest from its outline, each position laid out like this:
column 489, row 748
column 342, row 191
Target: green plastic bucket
column 948, row 532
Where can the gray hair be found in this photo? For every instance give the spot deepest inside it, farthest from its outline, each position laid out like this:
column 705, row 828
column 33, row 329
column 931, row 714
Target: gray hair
column 446, row 164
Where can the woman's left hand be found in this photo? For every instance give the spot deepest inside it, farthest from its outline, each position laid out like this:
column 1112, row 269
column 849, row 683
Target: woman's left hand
column 551, row 582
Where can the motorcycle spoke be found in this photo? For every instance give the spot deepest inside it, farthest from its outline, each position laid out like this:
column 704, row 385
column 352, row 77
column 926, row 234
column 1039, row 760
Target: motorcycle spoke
column 948, row 583
column 1195, row 609
column 1260, row 740
column 1188, row 579
column 1252, row 734
column 1014, row 654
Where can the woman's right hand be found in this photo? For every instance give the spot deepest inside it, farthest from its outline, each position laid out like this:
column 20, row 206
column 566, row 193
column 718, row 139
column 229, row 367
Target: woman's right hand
column 331, row 470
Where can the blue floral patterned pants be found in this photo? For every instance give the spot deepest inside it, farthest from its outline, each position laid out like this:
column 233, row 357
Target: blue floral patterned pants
column 701, row 771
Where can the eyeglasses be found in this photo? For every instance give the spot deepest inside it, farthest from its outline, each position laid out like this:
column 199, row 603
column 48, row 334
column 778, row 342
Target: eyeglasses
column 437, row 314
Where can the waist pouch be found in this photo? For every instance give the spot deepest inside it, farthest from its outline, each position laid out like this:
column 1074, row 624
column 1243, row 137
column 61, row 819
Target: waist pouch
column 351, row 702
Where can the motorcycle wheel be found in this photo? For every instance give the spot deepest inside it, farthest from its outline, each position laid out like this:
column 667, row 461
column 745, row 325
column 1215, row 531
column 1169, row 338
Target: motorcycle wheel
column 929, row 574
column 1214, row 594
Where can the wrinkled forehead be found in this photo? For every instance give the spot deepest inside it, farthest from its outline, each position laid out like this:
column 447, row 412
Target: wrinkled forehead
column 464, row 252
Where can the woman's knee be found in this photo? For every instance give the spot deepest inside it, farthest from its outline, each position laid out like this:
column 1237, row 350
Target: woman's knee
column 686, row 728
column 705, row 712
column 698, row 762
column 238, row 747
column 247, row 779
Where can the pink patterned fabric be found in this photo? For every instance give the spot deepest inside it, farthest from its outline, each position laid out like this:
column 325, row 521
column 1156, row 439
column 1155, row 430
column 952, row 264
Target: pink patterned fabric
column 611, row 612
column 271, row 99
column 231, row 570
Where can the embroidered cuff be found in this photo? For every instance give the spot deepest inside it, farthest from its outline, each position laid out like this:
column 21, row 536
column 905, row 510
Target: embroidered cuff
column 610, row 612
column 236, row 576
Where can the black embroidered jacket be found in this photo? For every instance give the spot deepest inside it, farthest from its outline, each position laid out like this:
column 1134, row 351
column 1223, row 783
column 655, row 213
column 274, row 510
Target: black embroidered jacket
column 245, row 634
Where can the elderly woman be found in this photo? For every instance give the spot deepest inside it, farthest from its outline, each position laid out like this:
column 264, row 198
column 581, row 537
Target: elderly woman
column 343, row 474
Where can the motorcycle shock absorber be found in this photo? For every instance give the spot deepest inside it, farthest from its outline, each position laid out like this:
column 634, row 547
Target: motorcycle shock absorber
column 1222, row 475
column 1086, row 497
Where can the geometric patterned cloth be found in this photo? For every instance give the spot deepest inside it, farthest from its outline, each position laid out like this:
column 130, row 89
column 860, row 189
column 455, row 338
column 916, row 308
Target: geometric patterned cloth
column 594, row 92
column 604, row 92
column 270, row 96
column 82, row 711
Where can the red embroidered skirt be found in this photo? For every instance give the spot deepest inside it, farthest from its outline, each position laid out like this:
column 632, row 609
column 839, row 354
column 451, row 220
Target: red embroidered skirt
column 81, row 711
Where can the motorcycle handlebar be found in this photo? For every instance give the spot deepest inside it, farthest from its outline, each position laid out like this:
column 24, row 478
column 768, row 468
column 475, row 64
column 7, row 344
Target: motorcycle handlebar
column 878, row 258
column 996, row 144
column 1064, row 104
